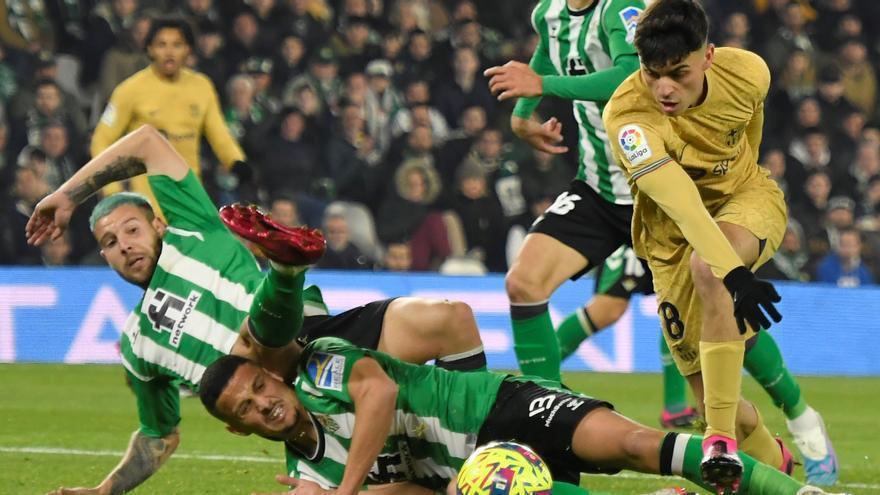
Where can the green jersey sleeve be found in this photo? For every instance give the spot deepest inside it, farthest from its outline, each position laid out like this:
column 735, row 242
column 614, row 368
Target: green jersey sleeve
column 185, row 203
column 540, row 61
column 619, row 21
column 158, row 404
column 326, row 366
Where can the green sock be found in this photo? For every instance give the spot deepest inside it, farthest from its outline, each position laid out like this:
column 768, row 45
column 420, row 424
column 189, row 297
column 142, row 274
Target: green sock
column 764, row 362
column 574, row 330
column 757, row 478
column 674, row 386
column 534, row 340
column 561, row 488
column 276, row 313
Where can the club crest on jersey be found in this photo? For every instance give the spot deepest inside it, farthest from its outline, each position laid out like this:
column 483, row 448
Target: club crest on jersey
column 634, row 144
column 326, row 370
column 630, row 18
column 169, row 312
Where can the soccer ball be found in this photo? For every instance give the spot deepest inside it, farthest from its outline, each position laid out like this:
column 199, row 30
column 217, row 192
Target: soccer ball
column 504, row 468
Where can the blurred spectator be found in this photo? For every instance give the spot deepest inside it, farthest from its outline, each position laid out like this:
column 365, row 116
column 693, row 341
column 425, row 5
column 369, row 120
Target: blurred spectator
column 290, row 61
column 382, row 100
column 407, row 212
column 810, row 209
column 481, row 217
column 341, row 253
column 291, row 164
column 844, row 267
column 200, row 11
column 246, row 120
column 259, row 69
column 839, row 216
column 62, row 161
column 868, row 208
column 736, row 31
column 27, row 189
column 859, row 78
column 245, row 40
column 830, row 97
column 45, row 68
column 322, row 77
column 774, row 161
column 125, row 57
column 810, row 152
column 398, row 257
column 354, row 46
column 459, row 143
column 304, row 23
column 8, row 79
column 58, row 252
column 417, row 62
column 48, row 106
column 209, row 54
column 790, row 260
column 543, row 176
column 107, row 25
column 7, row 163
column 854, row 180
column 503, row 175
column 353, row 161
column 284, row 211
column 790, row 36
column 418, row 111
column 25, row 26
column 270, row 18
column 466, row 88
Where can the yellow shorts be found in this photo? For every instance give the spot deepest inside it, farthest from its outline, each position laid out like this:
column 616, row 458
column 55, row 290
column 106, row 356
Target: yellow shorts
column 761, row 210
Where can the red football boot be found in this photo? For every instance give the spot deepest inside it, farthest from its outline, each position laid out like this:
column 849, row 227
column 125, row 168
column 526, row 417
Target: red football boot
column 293, row 246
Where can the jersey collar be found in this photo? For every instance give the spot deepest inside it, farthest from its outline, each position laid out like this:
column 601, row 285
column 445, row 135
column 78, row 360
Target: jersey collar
column 318, row 454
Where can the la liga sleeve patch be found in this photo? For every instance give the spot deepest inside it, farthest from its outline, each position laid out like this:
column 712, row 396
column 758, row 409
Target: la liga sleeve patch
column 634, row 144
column 326, row 370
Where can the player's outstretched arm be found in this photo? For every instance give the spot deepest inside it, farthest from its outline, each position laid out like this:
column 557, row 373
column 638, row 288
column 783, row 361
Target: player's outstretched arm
column 144, row 456
column 142, row 151
column 375, row 399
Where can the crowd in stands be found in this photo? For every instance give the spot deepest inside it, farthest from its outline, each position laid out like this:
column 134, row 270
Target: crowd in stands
column 371, row 119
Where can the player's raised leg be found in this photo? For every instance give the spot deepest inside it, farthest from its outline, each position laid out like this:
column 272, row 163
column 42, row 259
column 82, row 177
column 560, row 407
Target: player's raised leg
column 419, row 330
column 541, row 266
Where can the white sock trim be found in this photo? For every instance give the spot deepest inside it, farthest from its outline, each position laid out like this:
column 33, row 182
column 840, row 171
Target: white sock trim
column 527, row 304
column 681, row 441
column 462, row 355
column 581, row 313
column 808, row 420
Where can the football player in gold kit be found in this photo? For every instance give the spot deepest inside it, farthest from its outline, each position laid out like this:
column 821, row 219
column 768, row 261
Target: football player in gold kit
column 687, row 128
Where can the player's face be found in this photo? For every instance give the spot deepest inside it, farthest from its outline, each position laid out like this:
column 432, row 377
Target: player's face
column 130, row 242
column 681, row 85
column 256, row 401
column 168, row 51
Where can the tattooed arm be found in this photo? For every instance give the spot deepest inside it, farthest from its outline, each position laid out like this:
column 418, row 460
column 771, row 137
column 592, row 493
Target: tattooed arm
column 144, row 456
column 142, row 151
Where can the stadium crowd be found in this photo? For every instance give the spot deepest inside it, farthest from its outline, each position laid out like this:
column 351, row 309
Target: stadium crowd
column 372, row 120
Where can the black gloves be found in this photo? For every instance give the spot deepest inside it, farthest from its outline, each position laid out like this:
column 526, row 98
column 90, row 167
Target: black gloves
column 750, row 295
column 242, row 171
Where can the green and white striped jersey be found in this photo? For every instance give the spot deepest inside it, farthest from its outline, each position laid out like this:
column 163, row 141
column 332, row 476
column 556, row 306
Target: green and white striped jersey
column 191, row 311
column 435, row 426
column 574, row 43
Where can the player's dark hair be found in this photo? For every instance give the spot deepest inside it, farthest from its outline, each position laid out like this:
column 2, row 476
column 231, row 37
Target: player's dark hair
column 215, row 379
column 669, row 30
column 178, row 23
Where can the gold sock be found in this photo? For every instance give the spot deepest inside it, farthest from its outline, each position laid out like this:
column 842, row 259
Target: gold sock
column 721, row 364
column 761, row 445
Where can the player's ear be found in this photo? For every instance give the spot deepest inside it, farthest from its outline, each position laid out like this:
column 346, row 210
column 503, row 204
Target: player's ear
column 234, row 431
column 710, row 56
column 160, row 226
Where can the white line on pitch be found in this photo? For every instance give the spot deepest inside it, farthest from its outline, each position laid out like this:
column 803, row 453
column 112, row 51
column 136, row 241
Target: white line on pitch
column 246, row 458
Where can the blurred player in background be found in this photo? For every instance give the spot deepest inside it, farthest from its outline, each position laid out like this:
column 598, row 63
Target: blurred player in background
column 201, row 283
column 687, row 129
column 355, row 416
column 181, row 103
column 584, row 52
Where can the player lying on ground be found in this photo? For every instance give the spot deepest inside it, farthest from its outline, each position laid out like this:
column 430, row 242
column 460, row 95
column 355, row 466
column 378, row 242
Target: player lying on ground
column 688, row 129
column 355, row 417
column 200, row 283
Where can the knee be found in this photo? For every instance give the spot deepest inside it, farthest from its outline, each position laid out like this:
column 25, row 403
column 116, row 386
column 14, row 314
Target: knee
column 523, row 288
column 640, row 447
column 702, row 274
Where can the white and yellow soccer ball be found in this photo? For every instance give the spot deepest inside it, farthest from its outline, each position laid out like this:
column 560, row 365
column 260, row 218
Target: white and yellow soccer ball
column 504, row 468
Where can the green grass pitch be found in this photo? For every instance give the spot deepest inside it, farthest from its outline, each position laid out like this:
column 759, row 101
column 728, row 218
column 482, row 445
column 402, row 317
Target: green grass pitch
column 67, row 425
